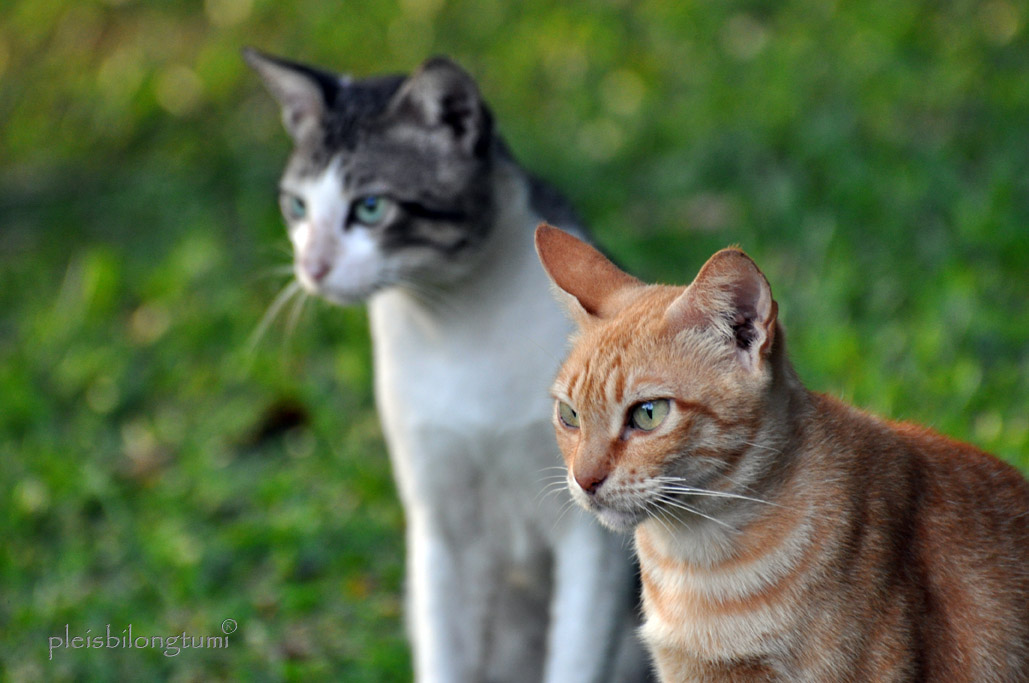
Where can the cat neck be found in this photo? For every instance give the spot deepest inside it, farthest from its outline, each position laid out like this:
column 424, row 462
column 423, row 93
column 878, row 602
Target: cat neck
column 436, row 350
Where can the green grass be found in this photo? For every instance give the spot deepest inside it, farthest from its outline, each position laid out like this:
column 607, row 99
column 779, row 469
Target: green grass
column 156, row 472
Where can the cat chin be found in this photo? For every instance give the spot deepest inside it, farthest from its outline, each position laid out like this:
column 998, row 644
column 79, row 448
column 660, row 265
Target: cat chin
column 342, row 298
column 617, row 520
column 345, row 300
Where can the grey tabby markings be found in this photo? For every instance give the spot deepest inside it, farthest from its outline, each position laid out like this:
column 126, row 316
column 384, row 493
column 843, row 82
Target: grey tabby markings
column 433, row 162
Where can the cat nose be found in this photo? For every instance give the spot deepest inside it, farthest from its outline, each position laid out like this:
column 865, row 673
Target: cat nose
column 590, row 481
column 317, row 270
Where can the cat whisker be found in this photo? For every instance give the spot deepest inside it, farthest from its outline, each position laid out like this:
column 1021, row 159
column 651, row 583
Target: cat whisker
column 660, row 515
column 666, row 481
column 292, row 288
column 432, row 297
column 547, row 494
column 283, row 248
column 713, row 494
column 629, row 546
column 762, row 447
column 550, row 489
column 295, row 313
column 569, row 504
column 277, row 248
column 675, row 503
column 272, row 273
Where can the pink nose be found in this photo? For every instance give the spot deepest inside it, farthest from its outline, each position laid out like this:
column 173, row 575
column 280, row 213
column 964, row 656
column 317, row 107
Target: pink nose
column 317, row 270
column 591, row 479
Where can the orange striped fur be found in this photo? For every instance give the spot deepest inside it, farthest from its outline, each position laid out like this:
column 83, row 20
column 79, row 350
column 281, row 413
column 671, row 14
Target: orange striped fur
column 782, row 535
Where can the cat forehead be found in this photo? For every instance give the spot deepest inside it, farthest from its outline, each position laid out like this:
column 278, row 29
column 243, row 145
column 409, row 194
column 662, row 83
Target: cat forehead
column 354, row 115
column 621, row 347
column 357, row 105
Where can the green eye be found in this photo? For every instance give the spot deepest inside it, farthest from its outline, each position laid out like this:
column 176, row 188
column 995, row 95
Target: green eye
column 568, row 415
column 371, row 210
column 649, row 414
column 293, row 207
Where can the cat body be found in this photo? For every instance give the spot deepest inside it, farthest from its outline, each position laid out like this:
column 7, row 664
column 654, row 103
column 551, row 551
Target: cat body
column 400, row 193
column 782, row 535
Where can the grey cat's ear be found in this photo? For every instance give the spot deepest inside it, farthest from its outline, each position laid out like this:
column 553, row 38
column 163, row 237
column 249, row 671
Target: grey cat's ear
column 731, row 296
column 589, row 285
column 442, row 97
column 303, row 92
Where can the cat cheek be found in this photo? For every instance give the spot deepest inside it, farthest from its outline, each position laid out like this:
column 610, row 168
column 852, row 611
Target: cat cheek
column 300, row 235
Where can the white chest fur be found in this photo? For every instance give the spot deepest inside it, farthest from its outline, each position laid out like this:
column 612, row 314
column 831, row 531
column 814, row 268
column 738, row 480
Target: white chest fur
column 461, row 380
column 462, row 375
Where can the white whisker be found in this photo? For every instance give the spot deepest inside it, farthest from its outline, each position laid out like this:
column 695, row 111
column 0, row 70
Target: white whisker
column 295, row 312
column 766, row 448
column 549, row 490
column 288, row 292
column 569, row 504
column 273, row 272
column 676, row 503
column 432, row 297
column 689, row 490
column 660, row 515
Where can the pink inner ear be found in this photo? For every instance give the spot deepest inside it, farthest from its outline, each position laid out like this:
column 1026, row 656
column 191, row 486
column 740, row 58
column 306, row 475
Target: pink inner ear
column 731, row 295
column 580, row 270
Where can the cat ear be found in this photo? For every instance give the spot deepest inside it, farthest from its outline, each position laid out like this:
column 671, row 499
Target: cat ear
column 590, row 282
column 441, row 96
column 303, row 92
column 731, row 296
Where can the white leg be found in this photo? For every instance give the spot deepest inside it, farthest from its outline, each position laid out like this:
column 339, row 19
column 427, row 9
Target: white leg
column 444, row 606
column 591, row 605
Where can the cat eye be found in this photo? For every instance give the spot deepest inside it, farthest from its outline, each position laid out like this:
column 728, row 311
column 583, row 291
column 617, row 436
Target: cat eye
column 293, row 207
column 568, row 416
column 371, row 210
column 649, row 414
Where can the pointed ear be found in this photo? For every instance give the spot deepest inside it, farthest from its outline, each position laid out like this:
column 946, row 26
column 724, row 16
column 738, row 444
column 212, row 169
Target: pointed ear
column 442, row 97
column 303, row 92
column 589, row 280
column 731, row 296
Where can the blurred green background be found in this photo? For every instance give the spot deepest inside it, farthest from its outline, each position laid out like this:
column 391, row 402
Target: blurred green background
column 156, row 470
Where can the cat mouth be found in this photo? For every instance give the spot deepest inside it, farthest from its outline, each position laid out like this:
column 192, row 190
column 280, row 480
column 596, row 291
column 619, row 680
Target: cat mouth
column 339, row 296
column 614, row 518
column 618, row 520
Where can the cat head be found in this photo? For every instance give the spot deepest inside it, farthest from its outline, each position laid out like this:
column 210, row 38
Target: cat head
column 389, row 179
column 661, row 406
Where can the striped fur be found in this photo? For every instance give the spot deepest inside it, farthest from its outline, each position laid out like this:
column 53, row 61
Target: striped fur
column 782, row 535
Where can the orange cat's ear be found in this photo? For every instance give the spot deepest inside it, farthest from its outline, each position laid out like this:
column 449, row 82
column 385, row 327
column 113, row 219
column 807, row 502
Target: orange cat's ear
column 580, row 271
column 730, row 296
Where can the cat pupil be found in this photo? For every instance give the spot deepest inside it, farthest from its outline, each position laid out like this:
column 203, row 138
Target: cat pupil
column 649, row 414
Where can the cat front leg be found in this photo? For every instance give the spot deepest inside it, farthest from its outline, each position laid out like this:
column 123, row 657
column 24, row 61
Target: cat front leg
column 446, row 607
column 591, row 638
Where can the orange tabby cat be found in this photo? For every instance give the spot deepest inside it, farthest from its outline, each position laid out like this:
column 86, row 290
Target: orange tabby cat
column 782, row 534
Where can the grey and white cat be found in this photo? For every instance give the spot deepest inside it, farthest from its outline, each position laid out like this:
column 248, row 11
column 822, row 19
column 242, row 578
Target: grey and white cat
column 400, row 192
